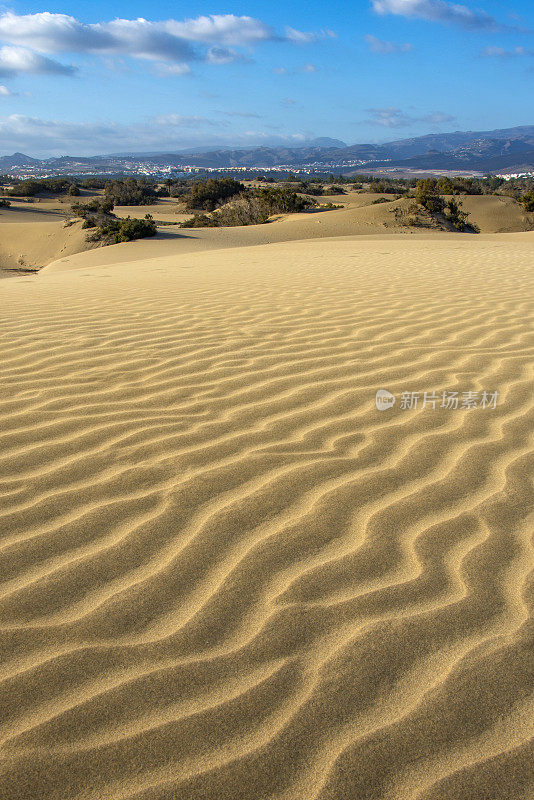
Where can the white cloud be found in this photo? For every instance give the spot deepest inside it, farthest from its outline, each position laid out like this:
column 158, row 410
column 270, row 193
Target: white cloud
column 438, row 11
column 242, row 114
column 224, row 29
column 500, row 52
column 169, row 133
column 166, row 70
column 377, row 45
column 5, row 92
column 396, row 118
column 14, row 60
column 300, row 37
column 389, row 117
column 206, row 38
column 223, row 55
column 306, row 68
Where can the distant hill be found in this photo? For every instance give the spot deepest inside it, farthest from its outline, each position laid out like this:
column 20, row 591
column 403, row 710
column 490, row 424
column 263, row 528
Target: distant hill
column 16, row 160
column 510, row 149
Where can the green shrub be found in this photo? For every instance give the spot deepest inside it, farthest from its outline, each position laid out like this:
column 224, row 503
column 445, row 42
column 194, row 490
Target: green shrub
column 427, row 195
column 456, row 216
column 4, row 203
column 245, row 209
column 33, row 186
column 124, row 230
column 283, row 201
column 205, row 195
column 95, row 206
column 130, row 192
column 527, row 200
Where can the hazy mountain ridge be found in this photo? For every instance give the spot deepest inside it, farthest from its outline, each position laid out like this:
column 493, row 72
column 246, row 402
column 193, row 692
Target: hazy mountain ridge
column 495, row 150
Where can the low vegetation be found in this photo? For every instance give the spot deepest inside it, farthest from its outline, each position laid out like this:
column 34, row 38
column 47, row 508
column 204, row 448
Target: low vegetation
column 115, row 231
column 106, row 228
column 252, row 207
column 96, row 207
column 130, row 192
column 430, row 209
column 527, row 201
column 207, row 195
column 33, row 187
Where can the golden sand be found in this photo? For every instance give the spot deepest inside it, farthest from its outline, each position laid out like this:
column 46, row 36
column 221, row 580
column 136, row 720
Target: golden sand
column 225, row 575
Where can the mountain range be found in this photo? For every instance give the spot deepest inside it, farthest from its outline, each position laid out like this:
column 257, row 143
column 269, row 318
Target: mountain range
column 510, row 149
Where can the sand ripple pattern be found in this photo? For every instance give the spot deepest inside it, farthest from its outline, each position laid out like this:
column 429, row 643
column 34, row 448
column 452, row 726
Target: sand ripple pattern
column 224, row 575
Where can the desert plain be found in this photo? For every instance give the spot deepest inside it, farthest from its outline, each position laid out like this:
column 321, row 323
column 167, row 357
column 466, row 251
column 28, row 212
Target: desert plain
column 225, row 574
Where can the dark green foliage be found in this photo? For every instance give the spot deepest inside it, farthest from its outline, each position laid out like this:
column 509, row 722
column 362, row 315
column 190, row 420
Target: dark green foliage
column 445, row 186
column 246, row 209
column 73, row 190
column 93, row 183
column 381, row 200
column 252, row 208
column 206, row 195
column 130, row 192
column 427, row 195
column 124, row 230
column 283, row 201
column 458, row 218
column 31, row 187
column 4, row 203
column 98, row 206
column 527, row 200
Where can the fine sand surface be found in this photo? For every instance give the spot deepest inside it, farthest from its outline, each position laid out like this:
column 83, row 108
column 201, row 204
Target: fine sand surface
column 225, row 575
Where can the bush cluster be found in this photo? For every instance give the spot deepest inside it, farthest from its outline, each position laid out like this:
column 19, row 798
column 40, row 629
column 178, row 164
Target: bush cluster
column 527, row 200
column 439, row 209
column 206, row 195
column 96, row 207
column 130, row 192
column 115, row 231
column 33, row 186
column 253, row 207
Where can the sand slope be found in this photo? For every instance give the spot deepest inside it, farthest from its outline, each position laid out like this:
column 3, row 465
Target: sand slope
column 224, row 574
column 32, row 245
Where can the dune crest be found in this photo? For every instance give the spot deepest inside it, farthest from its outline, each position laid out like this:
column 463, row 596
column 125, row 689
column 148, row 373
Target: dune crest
column 224, row 572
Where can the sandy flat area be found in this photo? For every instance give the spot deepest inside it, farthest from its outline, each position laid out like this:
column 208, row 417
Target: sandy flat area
column 224, row 573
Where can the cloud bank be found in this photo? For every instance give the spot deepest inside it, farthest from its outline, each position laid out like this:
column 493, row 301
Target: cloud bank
column 383, row 48
column 31, row 38
column 169, row 132
column 396, row 118
column 438, row 11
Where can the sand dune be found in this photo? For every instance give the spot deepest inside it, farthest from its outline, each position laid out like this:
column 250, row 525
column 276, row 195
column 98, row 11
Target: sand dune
column 32, row 245
column 224, row 573
column 32, row 235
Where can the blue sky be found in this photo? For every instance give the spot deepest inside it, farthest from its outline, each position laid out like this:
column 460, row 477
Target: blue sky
column 117, row 76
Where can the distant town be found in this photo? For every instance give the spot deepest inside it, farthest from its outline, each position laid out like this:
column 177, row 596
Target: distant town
column 507, row 153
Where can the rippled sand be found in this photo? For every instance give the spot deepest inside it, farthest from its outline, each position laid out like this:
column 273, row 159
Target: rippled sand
column 224, row 574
